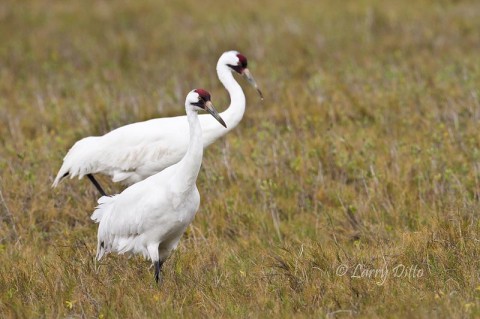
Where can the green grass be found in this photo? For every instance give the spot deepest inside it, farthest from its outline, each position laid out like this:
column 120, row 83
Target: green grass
column 365, row 151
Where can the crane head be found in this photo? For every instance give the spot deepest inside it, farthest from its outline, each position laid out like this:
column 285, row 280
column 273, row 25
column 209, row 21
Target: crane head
column 200, row 99
column 238, row 62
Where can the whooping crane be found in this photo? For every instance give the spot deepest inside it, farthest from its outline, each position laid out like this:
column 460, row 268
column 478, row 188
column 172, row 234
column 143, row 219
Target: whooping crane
column 134, row 152
column 150, row 217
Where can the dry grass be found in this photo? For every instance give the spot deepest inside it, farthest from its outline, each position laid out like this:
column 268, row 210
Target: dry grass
column 364, row 152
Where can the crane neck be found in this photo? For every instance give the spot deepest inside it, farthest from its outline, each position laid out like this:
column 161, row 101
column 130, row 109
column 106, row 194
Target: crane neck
column 234, row 113
column 189, row 165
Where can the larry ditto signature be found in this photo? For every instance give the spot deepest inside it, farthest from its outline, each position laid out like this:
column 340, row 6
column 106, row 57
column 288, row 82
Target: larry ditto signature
column 380, row 275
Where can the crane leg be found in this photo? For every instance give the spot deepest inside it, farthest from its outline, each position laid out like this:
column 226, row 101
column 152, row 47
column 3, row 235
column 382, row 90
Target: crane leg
column 96, row 184
column 158, row 268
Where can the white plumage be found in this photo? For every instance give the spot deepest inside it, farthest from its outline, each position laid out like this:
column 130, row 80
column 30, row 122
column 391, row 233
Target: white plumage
column 134, row 152
column 149, row 218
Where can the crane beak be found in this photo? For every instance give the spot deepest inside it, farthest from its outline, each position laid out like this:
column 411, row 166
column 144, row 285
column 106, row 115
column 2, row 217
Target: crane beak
column 246, row 73
column 211, row 109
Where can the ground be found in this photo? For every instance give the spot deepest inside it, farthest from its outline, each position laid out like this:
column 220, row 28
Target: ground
column 351, row 190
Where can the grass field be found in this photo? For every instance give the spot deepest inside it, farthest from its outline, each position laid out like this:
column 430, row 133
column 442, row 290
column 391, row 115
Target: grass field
column 364, row 157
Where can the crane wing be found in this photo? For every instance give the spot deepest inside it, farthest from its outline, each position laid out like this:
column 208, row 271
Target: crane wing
column 127, row 219
column 132, row 211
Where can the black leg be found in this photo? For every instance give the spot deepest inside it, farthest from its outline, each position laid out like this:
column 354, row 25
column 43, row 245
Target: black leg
column 96, row 184
column 158, row 268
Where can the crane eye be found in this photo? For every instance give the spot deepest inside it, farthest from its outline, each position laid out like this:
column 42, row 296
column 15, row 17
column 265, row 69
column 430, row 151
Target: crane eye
column 200, row 102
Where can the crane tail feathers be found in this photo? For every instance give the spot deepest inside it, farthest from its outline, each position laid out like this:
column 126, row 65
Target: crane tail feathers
column 61, row 175
column 100, row 250
column 81, row 159
column 103, row 208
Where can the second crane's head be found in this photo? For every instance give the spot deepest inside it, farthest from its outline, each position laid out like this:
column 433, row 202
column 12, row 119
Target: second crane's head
column 238, row 63
column 199, row 99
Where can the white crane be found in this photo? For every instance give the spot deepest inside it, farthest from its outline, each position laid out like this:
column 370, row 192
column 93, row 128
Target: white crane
column 150, row 217
column 134, row 152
